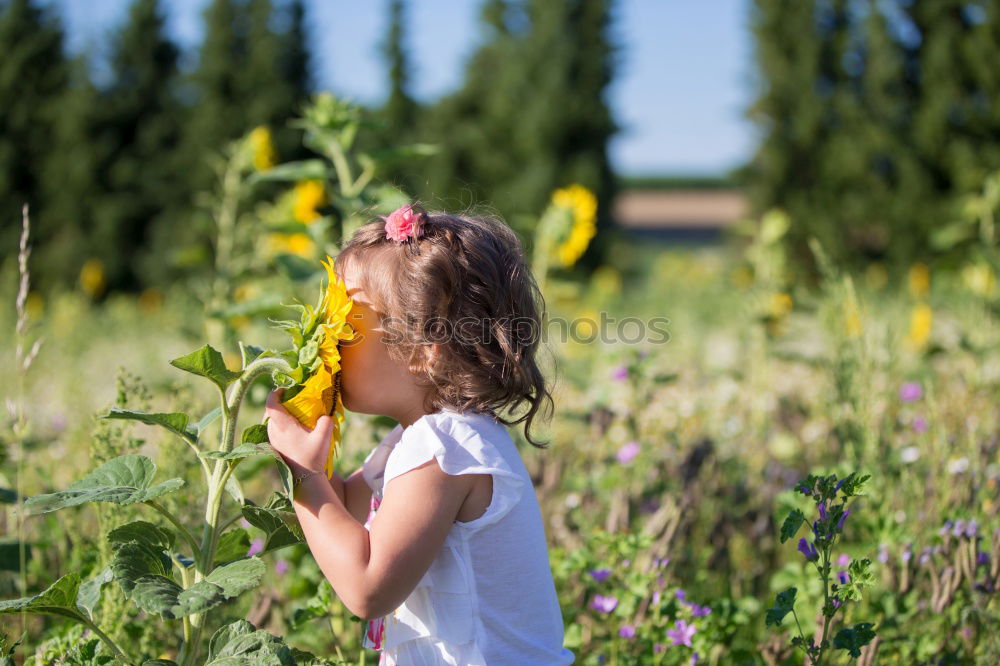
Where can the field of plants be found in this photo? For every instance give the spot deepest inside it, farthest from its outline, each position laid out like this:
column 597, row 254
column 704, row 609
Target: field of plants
column 742, row 469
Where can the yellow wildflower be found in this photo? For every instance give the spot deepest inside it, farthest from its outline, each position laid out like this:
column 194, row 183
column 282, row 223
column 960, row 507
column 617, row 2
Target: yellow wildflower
column 309, row 196
column 980, row 279
column 92, row 277
column 321, row 331
column 298, row 244
column 780, row 305
column 582, row 205
column 150, row 299
column 920, row 326
column 919, row 279
column 264, row 155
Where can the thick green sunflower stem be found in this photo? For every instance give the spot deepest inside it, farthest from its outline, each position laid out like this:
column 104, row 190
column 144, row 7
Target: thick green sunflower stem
column 216, row 487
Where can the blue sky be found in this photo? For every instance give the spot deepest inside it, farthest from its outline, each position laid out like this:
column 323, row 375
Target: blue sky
column 684, row 79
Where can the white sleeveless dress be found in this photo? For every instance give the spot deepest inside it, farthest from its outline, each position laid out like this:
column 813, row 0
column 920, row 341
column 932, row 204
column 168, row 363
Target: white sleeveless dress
column 488, row 598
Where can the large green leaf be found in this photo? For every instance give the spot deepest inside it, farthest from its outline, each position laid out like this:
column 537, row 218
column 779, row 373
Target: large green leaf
column 233, row 545
column 122, row 480
column 175, row 422
column 277, row 521
column 239, row 453
column 160, row 594
column 207, row 362
column 241, row 644
column 58, row 599
column 143, row 532
column 135, row 560
column 256, row 434
column 89, row 594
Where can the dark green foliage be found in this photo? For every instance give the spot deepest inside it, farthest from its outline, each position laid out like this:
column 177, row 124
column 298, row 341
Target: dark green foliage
column 34, row 79
column 530, row 116
column 400, row 112
column 877, row 118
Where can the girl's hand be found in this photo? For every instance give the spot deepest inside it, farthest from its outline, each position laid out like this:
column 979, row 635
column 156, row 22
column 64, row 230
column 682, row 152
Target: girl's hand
column 303, row 449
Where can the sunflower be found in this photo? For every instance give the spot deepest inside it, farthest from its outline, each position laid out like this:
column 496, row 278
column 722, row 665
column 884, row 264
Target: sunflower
column 309, row 196
column 317, row 337
column 264, row 155
column 581, row 204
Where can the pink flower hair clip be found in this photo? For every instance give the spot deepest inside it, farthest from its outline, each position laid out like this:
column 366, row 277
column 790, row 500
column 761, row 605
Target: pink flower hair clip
column 405, row 222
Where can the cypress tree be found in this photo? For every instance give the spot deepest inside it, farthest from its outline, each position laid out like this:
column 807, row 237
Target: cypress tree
column 399, row 113
column 143, row 173
column 790, row 115
column 531, row 114
column 34, row 77
column 220, row 110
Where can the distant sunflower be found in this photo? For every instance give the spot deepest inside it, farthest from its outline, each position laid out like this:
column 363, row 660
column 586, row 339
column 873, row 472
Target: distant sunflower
column 264, row 155
column 317, row 337
column 309, row 196
column 582, row 207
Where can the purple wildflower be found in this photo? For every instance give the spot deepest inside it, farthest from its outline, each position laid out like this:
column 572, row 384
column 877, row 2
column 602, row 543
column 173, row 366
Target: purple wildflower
column 603, row 604
column 971, row 528
column 620, row 373
column 843, row 560
column 982, row 559
column 843, row 517
column 659, row 647
column 805, row 489
column 281, row 567
column 919, row 424
column 627, row 631
column 839, row 484
column 256, row 546
column 958, row 528
column 245, row 523
column 907, row 554
column 682, row 633
column 836, row 603
column 656, row 598
column 822, row 511
column 700, row 611
column 925, row 555
column 944, row 528
column 694, row 658
column 600, row 575
column 681, row 594
column 628, row 452
column 842, row 577
column 808, row 550
column 910, row 391
column 883, row 553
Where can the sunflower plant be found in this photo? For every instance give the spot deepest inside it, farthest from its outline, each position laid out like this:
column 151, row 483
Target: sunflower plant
column 165, row 568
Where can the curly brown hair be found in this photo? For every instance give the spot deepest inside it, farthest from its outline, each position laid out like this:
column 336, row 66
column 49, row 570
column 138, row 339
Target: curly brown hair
column 464, row 289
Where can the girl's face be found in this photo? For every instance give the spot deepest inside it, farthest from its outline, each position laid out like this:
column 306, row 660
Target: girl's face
column 372, row 382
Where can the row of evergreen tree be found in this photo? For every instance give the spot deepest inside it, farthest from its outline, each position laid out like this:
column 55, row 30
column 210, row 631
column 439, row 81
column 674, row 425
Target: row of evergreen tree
column 877, row 117
column 113, row 170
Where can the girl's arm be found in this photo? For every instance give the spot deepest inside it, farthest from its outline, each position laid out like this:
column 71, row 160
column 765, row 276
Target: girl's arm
column 357, row 496
column 371, row 571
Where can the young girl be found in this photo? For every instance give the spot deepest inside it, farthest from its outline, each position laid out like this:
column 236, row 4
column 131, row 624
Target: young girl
column 437, row 541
